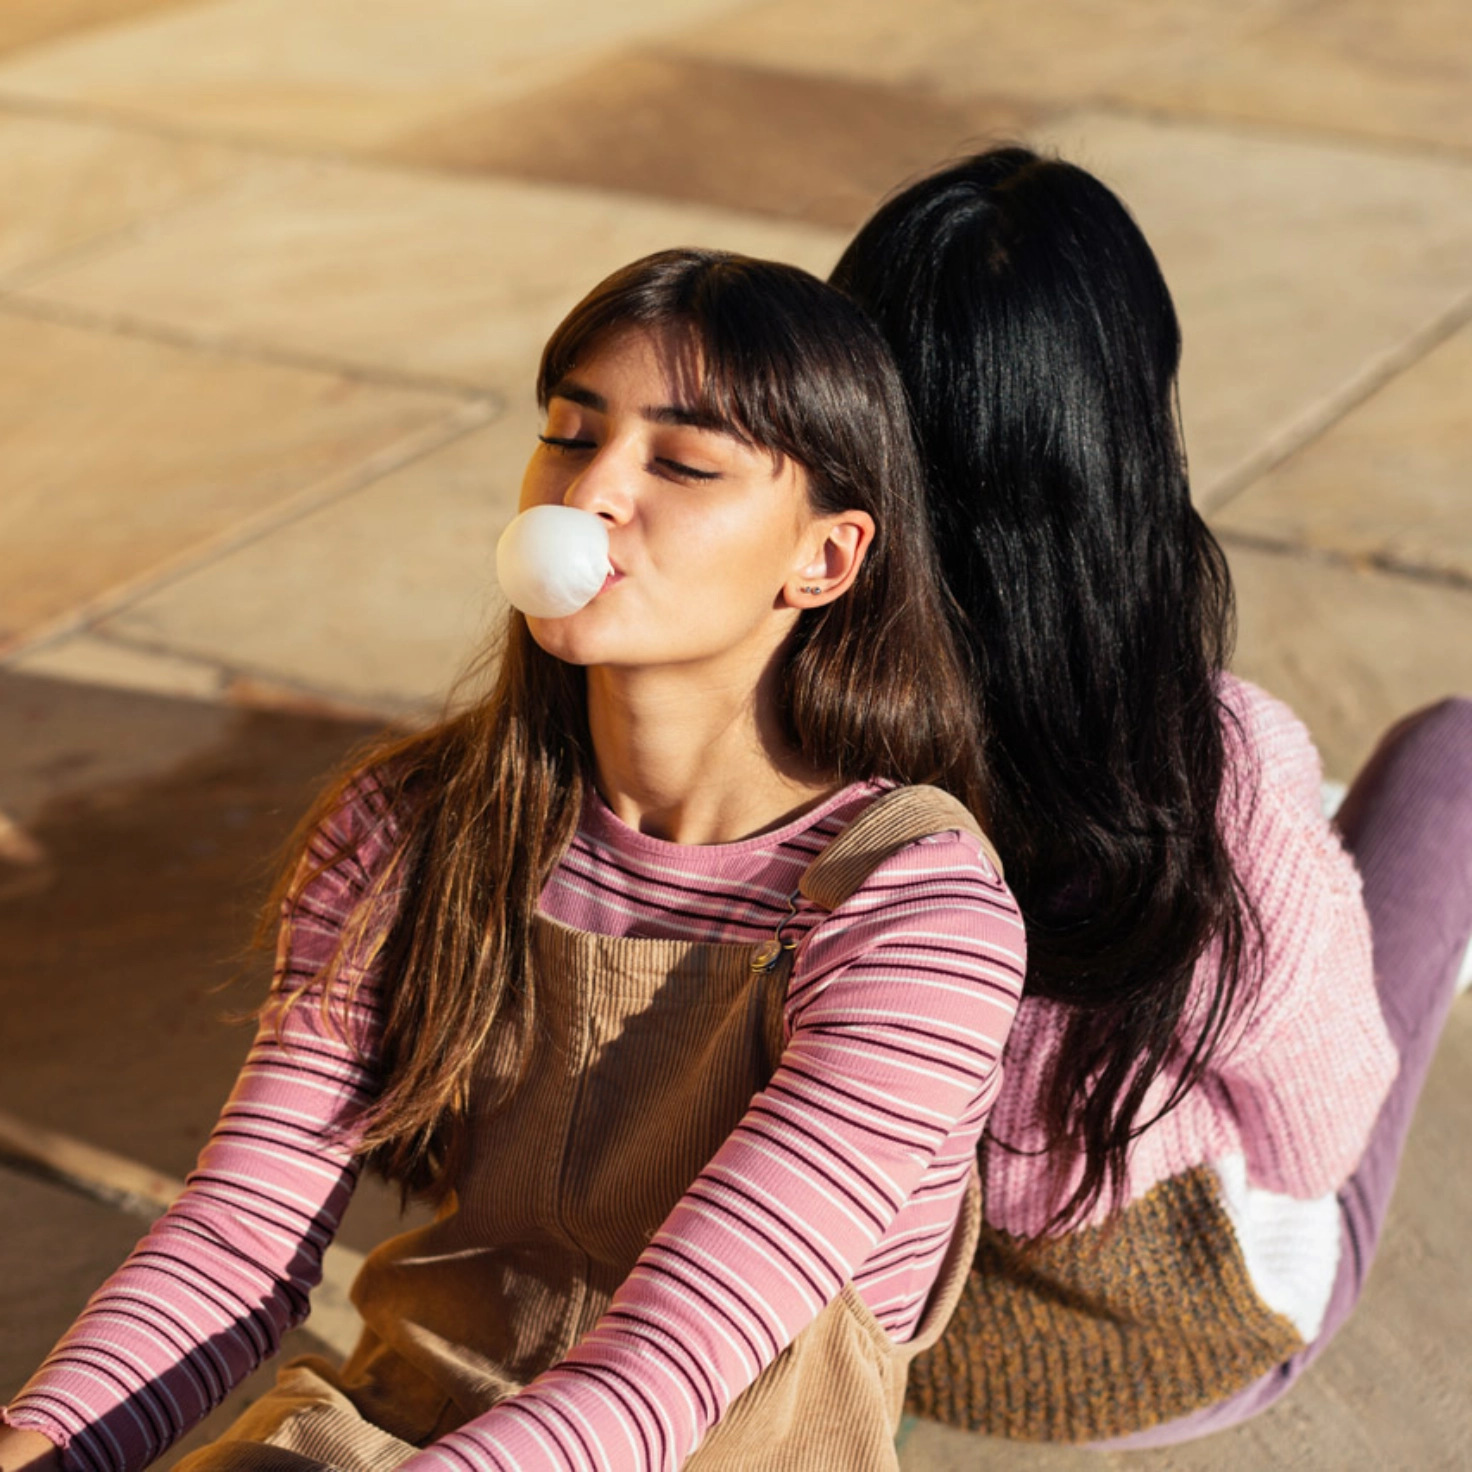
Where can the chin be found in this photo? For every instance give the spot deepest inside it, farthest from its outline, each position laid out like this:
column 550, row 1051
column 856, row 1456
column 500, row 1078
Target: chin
column 554, row 637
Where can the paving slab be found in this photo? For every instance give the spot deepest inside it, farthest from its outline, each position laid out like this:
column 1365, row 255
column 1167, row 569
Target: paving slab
column 449, row 279
column 88, row 659
column 1058, row 51
column 335, row 73
column 1302, row 272
column 1400, row 73
column 420, row 605
column 62, row 739
column 759, row 139
column 1391, row 482
column 161, row 823
column 34, row 22
column 64, row 183
column 123, row 455
column 158, row 859
column 55, row 1248
column 1350, row 649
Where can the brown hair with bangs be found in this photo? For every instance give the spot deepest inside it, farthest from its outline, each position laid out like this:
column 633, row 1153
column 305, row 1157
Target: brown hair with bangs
column 483, row 805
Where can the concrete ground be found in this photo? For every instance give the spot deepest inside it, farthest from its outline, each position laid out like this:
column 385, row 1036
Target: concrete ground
column 273, row 278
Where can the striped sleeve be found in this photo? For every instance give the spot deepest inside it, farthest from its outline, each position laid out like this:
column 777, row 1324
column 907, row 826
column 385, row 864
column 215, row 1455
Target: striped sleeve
column 898, row 1011
column 206, row 1296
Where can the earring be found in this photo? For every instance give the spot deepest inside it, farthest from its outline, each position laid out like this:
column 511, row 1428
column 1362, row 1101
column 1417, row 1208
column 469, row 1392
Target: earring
column 809, row 590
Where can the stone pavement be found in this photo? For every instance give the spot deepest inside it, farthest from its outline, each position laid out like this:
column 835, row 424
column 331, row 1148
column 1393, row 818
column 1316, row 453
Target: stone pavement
column 273, row 278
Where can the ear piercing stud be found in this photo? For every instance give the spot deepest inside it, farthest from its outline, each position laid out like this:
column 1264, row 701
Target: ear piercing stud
column 810, row 590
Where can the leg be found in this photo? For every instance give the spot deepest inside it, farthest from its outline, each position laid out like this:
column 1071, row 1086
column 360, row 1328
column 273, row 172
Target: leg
column 1407, row 819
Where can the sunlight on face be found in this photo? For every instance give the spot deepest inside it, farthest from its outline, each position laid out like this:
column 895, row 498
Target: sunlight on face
column 705, row 529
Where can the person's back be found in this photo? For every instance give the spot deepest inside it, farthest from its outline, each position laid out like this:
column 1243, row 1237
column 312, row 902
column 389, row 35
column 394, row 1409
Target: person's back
column 1200, row 1063
column 1219, row 1260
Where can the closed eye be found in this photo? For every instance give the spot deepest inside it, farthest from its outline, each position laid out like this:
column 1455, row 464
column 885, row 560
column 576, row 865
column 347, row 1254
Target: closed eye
column 560, row 442
column 686, row 472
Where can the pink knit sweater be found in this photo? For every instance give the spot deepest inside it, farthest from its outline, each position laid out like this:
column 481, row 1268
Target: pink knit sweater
column 1284, row 1112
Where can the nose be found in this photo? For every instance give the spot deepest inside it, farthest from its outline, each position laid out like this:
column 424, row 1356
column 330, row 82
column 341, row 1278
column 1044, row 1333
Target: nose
column 604, row 485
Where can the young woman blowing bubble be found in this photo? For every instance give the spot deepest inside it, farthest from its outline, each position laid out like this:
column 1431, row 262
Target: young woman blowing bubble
column 1209, row 1084
column 649, row 970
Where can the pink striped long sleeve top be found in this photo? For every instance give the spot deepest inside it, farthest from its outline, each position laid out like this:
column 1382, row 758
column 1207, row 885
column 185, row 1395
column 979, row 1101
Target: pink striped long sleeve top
column 858, row 1152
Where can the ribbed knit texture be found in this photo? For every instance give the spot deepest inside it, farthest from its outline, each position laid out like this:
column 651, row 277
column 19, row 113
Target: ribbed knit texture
column 1108, row 1331
column 1104, row 1331
column 1311, row 1060
column 830, row 1201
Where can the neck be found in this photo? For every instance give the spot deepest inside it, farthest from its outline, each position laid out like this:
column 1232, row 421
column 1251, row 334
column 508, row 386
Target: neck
column 696, row 760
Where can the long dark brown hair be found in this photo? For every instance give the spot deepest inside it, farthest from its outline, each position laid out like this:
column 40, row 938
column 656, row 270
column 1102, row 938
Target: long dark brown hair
column 1040, row 349
column 483, row 805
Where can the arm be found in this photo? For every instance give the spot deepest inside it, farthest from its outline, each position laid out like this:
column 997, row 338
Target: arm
column 898, row 1010
column 27, row 1451
column 209, row 1292
column 1311, row 1069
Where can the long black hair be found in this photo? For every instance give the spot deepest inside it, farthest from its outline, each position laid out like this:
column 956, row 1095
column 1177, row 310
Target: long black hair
column 1040, row 349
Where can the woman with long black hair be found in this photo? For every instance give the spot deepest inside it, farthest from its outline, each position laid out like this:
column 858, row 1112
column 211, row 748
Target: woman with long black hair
column 1213, row 1070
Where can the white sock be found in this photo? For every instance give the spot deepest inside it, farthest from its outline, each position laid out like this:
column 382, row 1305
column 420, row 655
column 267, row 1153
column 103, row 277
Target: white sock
column 1331, row 794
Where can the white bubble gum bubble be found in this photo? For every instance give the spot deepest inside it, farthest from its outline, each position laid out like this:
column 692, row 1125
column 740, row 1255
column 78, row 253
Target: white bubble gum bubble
column 552, row 560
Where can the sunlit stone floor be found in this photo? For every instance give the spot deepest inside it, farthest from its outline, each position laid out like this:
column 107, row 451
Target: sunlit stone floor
column 273, row 277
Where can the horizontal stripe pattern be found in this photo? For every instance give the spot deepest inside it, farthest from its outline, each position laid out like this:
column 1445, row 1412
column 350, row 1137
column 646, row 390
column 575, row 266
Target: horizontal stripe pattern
column 851, row 1164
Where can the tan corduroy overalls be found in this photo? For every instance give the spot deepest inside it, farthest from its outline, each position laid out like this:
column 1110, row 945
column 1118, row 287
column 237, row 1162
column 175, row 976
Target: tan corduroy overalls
column 647, row 1055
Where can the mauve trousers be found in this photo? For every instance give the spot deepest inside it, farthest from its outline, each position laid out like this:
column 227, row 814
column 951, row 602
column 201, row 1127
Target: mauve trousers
column 1407, row 819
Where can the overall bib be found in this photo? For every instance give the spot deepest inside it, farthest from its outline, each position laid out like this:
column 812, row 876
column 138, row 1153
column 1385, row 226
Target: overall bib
column 647, row 1054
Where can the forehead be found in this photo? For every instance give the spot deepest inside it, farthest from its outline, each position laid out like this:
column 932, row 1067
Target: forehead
column 658, row 374
column 657, row 360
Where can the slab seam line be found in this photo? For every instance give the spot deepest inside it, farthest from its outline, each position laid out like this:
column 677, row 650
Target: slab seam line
column 1317, row 419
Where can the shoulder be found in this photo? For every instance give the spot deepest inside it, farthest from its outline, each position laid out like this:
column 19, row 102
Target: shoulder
column 949, row 857
column 359, row 828
column 1303, row 885
column 937, row 893
column 904, row 844
column 1270, row 751
column 344, row 862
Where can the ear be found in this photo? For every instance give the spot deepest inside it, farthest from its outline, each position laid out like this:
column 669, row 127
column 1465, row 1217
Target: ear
column 834, row 556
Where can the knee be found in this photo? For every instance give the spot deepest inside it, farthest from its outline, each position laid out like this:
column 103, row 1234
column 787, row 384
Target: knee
column 1445, row 719
column 1439, row 734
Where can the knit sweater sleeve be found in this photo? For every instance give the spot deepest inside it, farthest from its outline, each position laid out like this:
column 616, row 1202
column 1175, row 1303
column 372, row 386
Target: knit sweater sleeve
column 898, row 1010
column 1311, row 1068
column 206, row 1296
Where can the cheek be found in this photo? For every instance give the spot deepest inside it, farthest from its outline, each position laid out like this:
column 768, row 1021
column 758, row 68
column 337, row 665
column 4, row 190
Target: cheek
column 747, row 558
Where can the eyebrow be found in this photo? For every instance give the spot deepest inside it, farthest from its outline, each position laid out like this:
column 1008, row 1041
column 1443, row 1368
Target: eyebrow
column 672, row 414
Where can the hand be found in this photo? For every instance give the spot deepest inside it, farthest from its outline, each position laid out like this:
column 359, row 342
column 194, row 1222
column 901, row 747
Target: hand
column 27, row 1451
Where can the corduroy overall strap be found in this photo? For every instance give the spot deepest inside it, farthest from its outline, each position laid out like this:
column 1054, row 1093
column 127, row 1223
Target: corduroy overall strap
column 832, row 1398
column 884, row 828
column 646, row 1055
